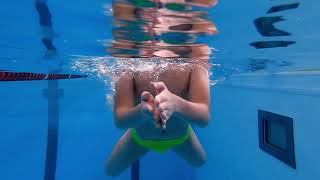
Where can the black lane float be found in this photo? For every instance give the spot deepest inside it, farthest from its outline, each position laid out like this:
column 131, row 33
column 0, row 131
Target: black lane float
column 29, row 76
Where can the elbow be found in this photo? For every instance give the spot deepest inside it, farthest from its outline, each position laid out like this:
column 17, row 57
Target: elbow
column 120, row 117
column 205, row 121
column 206, row 116
column 203, row 117
column 118, row 122
column 119, row 125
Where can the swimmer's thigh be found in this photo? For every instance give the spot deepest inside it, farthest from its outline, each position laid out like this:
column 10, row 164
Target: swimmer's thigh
column 192, row 150
column 124, row 154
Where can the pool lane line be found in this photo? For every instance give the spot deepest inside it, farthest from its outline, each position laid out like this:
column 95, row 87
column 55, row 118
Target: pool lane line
column 45, row 21
column 265, row 26
column 135, row 170
column 29, row 76
column 52, row 93
column 283, row 7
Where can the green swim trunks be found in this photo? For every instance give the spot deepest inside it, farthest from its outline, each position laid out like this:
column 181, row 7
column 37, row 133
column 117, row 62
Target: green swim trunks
column 160, row 146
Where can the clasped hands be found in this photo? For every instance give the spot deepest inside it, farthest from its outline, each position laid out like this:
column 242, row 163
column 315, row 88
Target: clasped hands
column 160, row 107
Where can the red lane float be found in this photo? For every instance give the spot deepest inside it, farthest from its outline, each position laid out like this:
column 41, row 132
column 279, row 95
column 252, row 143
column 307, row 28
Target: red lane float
column 28, row 76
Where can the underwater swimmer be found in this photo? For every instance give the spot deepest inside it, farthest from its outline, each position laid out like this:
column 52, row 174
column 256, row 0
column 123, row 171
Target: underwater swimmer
column 158, row 114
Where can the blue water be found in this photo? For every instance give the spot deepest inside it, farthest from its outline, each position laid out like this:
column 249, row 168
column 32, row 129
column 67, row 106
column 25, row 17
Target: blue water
column 85, row 131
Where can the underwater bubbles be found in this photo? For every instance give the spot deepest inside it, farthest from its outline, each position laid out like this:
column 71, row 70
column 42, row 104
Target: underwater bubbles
column 109, row 69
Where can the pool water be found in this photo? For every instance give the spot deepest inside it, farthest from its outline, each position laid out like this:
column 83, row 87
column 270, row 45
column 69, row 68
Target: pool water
column 64, row 129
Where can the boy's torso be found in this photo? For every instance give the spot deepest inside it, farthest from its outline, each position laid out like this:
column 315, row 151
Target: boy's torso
column 176, row 79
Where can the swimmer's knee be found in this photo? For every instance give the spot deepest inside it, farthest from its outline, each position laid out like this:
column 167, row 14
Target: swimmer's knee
column 111, row 170
column 200, row 161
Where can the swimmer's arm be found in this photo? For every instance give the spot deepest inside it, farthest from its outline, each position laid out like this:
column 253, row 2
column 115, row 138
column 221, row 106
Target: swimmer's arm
column 197, row 109
column 127, row 115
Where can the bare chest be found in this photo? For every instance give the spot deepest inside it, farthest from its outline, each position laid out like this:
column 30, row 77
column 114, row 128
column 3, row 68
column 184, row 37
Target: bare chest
column 176, row 80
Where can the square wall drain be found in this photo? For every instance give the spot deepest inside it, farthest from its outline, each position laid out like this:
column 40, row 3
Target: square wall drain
column 276, row 136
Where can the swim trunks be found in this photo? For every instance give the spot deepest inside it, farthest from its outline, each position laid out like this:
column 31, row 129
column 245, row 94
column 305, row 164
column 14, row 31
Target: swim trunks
column 160, row 146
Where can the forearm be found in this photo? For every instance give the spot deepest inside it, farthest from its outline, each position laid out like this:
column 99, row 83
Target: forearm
column 194, row 113
column 129, row 117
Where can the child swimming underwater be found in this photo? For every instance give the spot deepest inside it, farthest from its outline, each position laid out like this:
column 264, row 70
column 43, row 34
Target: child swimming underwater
column 157, row 107
column 158, row 115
